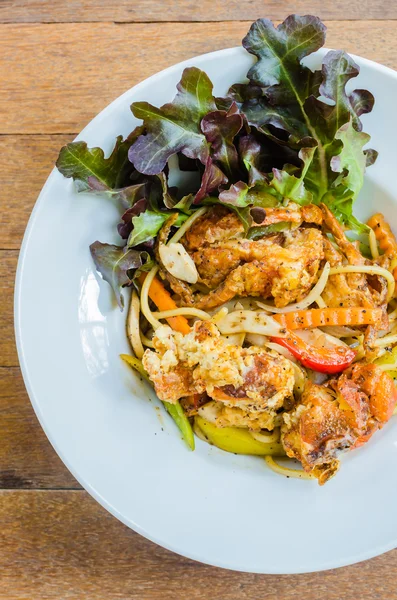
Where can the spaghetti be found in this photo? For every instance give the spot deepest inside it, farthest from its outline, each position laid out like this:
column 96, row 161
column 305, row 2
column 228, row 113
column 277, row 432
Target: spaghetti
column 268, row 329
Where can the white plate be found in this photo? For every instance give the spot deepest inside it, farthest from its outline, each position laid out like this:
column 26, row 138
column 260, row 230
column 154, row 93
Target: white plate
column 208, row 505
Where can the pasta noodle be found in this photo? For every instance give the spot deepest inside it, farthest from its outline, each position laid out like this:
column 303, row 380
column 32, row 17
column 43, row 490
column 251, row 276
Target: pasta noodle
column 187, row 224
column 369, row 270
column 145, row 298
column 247, row 321
column 287, row 472
column 146, row 341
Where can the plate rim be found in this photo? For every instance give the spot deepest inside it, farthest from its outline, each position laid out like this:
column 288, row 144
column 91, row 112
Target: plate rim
column 333, row 564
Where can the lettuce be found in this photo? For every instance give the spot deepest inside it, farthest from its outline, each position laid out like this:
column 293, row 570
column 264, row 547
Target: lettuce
column 285, row 100
column 116, row 265
column 94, row 173
column 175, row 127
column 288, row 133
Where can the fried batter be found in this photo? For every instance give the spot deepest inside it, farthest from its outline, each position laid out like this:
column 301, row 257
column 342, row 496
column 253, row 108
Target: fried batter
column 251, row 380
column 337, row 417
column 284, row 272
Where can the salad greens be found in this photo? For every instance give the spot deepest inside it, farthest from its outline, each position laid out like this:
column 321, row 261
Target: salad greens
column 289, row 133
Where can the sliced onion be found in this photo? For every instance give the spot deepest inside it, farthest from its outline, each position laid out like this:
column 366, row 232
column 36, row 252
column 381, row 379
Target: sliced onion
column 340, row 331
column 266, row 438
column 281, row 350
column 320, row 339
column 317, row 377
column 310, row 298
column 209, row 411
column 133, row 325
column 235, row 339
column 257, row 340
column 249, row 321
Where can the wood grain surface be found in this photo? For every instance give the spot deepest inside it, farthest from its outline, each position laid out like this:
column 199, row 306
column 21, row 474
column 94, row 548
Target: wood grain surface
column 60, row 76
column 62, row 545
column 61, row 62
column 26, row 458
column 39, row 11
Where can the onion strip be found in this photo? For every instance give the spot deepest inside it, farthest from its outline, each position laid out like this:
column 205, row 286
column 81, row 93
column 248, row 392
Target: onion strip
column 133, row 325
column 266, row 438
column 386, row 340
column 286, row 471
column 235, row 339
column 185, row 311
column 369, row 270
column 249, row 321
column 320, row 302
column 219, row 315
column 313, row 295
column 281, row 350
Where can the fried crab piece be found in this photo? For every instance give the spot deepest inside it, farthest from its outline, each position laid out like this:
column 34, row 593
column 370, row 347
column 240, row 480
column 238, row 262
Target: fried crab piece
column 337, row 417
column 250, row 384
column 285, row 272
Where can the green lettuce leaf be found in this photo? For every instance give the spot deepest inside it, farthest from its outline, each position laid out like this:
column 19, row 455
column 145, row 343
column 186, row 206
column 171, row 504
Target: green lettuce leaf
column 351, row 160
column 291, row 104
column 93, row 172
column 147, row 225
column 175, row 127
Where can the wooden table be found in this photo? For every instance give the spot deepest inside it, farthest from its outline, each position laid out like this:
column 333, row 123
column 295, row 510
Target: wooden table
column 61, row 62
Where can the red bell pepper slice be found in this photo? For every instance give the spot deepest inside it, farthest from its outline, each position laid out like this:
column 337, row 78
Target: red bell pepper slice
column 322, row 359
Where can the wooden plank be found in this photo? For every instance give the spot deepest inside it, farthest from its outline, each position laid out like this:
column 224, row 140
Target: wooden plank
column 64, row 545
column 8, row 265
column 27, row 459
column 19, row 192
column 39, row 11
column 60, row 76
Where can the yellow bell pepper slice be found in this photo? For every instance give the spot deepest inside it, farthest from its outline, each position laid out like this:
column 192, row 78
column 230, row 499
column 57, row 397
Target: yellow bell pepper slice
column 236, row 440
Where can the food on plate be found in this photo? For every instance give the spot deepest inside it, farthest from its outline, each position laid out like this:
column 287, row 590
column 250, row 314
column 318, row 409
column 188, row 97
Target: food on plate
column 262, row 311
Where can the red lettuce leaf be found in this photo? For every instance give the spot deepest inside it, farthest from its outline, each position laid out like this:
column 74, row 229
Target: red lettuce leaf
column 211, row 181
column 220, row 128
column 117, row 264
column 175, row 127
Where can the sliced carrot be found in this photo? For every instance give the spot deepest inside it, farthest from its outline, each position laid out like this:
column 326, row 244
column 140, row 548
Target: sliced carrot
column 162, row 299
column 383, row 234
column 320, row 317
